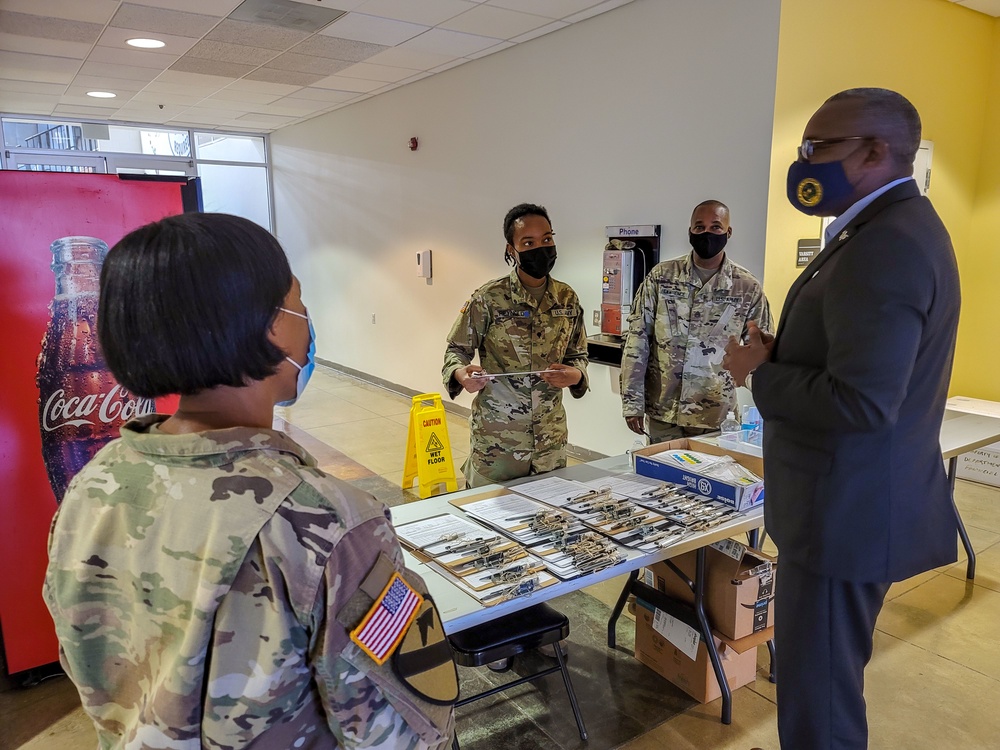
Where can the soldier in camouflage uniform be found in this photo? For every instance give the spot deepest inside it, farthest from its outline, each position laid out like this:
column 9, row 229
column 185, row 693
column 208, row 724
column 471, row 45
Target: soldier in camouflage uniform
column 204, row 575
column 521, row 322
column 672, row 353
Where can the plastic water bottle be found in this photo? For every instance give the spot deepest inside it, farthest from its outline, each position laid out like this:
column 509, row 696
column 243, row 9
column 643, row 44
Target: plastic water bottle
column 730, row 425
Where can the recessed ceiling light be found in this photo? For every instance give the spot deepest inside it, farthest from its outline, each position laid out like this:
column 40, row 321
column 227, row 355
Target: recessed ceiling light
column 146, row 43
column 101, row 94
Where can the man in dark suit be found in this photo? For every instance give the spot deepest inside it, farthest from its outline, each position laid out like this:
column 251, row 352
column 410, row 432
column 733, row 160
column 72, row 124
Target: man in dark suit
column 852, row 389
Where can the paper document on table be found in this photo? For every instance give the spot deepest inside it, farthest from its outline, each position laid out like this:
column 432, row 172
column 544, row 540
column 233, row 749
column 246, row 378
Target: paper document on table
column 552, row 490
column 686, row 459
column 432, row 535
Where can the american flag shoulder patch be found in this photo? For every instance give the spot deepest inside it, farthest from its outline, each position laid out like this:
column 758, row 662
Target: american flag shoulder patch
column 384, row 626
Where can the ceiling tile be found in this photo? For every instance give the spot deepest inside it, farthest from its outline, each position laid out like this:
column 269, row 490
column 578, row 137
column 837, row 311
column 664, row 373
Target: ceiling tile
column 273, row 120
column 596, row 10
column 291, row 77
column 371, row 72
column 409, row 58
column 139, row 111
column 148, row 19
column 78, row 98
column 234, row 53
column 338, row 49
column 24, row 67
column 363, row 28
column 128, row 72
column 490, row 50
column 25, row 24
column 540, row 31
column 19, row 101
column 158, row 97
column 256, row 35
column 444, row 42
column 114, row 36
column 548, row 8
column 427, row 12
column 494, row 22
column 188, row 64
column 326, row 96
column 131, row 57
column 35, row 46
column 202, row 116
column 262, row 87
column 216, row 8
column 342, row 4
column 182, row 89
column 286, row 14
column 248, row 97
column 93, row 11
column 194, row 80
column 291, row 108
column 307, row 64
column 103, row 83
column 84, row 111
column 227, row 105
column 348, row 84
column 452, row 64
column 32, row 87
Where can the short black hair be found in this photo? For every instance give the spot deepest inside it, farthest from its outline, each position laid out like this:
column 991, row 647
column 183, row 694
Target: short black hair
column 713, row 203
column 187, row 303
column 890, row 116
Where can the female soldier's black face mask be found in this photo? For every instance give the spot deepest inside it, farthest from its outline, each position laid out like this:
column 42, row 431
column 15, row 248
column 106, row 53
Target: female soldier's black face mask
column 537, row 262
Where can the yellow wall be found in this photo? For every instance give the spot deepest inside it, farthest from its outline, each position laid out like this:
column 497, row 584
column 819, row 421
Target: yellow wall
column 944, row 58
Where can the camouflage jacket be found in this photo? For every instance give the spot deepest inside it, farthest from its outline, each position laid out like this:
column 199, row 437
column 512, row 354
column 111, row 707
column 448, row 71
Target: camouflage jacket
column 195, row 582
column 670, row 370
column 518, row 425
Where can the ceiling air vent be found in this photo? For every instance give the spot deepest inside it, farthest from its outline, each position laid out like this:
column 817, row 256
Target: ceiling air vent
column 286, row 14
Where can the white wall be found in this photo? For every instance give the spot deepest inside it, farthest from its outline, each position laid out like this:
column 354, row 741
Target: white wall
column 633, row 116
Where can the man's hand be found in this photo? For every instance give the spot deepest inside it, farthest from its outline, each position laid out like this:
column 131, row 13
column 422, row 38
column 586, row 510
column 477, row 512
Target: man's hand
column 636, row 424
column 742, row 360
column 463, row 376
column 564, row 378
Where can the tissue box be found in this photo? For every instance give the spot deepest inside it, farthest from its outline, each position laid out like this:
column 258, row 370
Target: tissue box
column 738, row 496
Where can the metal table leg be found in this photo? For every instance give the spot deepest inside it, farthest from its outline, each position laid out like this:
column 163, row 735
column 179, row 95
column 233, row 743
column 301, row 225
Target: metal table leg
column 706, row 633
column 612, row 637
column 773, row 676
column 970, row 570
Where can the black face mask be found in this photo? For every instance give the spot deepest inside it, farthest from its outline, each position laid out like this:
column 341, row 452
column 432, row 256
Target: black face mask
column 538, row 262
column 707, row 244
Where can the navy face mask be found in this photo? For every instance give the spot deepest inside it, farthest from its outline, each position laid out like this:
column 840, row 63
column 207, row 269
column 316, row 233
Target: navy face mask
column 813, row 188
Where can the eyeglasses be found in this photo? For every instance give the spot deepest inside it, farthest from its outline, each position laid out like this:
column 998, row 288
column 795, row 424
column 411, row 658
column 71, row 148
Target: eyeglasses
column 808, row 146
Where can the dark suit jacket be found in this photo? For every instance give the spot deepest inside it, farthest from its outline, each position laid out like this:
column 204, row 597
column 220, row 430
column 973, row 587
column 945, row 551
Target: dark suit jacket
column 854, row 396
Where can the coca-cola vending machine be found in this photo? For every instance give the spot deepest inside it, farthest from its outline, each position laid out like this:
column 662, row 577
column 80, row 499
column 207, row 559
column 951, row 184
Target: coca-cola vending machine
column 59, row 404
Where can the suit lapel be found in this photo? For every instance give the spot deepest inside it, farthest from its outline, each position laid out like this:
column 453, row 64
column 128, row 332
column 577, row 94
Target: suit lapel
column 900, row 192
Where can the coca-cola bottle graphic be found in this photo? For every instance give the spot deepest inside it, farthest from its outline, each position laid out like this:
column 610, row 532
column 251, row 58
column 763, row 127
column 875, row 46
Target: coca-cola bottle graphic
column 80, row 405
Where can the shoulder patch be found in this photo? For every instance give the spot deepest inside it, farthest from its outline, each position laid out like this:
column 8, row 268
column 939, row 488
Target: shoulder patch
column 385, row 624
column 424, row 661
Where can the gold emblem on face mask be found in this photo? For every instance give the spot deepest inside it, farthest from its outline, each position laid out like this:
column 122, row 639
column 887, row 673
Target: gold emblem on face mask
column 809, row 192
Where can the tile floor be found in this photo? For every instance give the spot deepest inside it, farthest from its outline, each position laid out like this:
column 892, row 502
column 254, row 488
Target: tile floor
column 934, row 681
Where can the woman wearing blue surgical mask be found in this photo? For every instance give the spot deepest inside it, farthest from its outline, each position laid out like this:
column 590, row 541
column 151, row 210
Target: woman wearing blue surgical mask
column 207, row 581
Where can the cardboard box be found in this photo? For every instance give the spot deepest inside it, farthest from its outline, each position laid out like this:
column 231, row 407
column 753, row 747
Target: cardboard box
column 739, row 586
column 740, row 497
column 694, row 676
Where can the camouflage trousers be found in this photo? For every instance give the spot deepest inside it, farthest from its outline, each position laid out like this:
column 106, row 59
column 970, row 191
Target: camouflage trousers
column 660, row 432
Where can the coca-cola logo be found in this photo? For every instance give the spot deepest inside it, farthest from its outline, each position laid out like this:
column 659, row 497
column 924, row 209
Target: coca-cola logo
column 112, row 406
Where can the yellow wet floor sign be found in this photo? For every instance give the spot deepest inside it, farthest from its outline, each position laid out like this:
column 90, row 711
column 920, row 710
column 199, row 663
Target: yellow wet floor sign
column 428, row 452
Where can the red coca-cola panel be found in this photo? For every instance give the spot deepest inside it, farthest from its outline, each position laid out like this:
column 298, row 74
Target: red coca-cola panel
column 57, row 400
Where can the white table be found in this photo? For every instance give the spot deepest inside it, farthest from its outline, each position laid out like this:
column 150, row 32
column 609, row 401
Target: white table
column 459, row 610
column 968, row 424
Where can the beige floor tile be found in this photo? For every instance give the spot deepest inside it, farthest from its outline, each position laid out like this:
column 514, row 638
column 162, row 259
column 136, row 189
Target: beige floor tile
column 987, row 567
column 381, row 461
column 369, row 435
column 979, row 505
column 329, row 410
column 951, row 618
column 329, row 380
column 901, row 587
column 699, row 728
column 382, row 402
column 75, row 731
column 918, row 700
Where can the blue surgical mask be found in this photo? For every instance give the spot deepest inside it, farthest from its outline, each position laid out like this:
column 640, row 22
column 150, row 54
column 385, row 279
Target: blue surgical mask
column 306, row 370
column 813, row 188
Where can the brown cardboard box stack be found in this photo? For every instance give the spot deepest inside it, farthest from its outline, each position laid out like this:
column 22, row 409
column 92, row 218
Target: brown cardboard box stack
column 739, row 602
